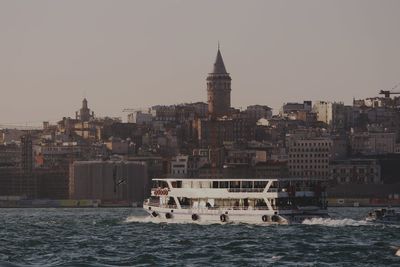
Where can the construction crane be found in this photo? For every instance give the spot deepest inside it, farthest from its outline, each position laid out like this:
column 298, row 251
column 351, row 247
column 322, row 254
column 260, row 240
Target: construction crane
column 387, row 93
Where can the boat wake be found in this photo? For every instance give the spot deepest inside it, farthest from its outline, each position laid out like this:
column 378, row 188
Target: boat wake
column 335, row 222
column 138, row 219
column 314, row 221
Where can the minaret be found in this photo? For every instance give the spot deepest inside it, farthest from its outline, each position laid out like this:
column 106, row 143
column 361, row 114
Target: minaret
column 219, row 89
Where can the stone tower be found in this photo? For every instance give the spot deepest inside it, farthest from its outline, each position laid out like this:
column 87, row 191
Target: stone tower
column 219, row 89
column 84, row 113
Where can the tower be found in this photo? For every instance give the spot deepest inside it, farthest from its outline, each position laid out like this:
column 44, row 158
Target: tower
column 84, row 113
column 218, row 89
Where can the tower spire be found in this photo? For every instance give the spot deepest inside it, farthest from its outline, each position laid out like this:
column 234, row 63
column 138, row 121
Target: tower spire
column 219, row 66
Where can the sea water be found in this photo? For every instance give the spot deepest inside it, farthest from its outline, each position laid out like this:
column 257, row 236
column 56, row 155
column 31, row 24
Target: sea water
column 125, row 237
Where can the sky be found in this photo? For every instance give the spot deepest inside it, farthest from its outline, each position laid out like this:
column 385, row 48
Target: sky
column 135, row 54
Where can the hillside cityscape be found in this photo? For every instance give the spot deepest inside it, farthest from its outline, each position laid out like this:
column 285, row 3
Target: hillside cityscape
column 90, row 161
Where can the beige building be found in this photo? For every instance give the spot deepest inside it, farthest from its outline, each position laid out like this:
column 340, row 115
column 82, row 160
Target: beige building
column 330, row 113
column 309, row 157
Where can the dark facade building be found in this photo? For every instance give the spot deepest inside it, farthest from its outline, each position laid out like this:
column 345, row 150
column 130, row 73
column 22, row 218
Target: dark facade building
column 16, row 182
column 26, row 153
column 109, row 181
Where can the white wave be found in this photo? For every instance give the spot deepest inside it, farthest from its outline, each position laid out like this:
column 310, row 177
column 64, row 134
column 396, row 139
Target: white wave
column 334, row 222
column 138, row 219
column 276, row 258
column 313, row 221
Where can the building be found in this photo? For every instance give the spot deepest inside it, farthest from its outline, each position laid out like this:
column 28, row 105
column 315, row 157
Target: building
column 216, row 132
column 271, row 169
column 59, row 155
column 201, row 109
column 356, row 171
column 87, row 130
column 118, row 146
column 368, row 143
column 333, row 114
column 219, row 89
column 26, row 153
column 309, row 157
column 164, row 113
column 10, row 155
column 140, row 117
column 17, row 182
column 195, row 162
column 109, row 181
column 372, row 102
column 289, row 108
column 10, row 135
column 179, row 167
column 52, row 183
column 256, row 112
column 213, row 133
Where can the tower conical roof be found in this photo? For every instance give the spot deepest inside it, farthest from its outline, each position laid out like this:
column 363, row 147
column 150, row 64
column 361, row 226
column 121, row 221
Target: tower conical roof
column 219, row 66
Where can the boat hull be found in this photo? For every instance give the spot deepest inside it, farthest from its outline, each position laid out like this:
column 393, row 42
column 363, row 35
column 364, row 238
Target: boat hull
column 222, row 216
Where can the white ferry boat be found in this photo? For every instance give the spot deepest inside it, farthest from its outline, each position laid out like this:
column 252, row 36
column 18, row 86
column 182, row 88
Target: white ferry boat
column 263, row 201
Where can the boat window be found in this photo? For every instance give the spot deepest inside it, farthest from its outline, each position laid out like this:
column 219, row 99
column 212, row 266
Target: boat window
column 160, row 184
column 223, row 185
column 176, row 184
column 215, row 184
column 260, row 184
column 234, row 184
column 247, row 184
column 260, row 203
column 185, row 202
column 171, row 201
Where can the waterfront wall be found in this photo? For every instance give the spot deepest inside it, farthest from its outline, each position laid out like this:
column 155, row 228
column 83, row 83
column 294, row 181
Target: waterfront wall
column 109, row 181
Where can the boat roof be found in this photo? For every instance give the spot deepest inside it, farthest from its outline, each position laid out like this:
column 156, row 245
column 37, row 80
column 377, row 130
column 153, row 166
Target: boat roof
column 235, row 179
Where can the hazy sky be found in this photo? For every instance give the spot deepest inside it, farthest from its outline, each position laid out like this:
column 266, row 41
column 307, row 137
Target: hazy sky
column 135, row 54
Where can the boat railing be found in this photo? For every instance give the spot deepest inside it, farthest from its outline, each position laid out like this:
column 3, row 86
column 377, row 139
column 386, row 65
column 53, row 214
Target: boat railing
column 207, row 208
column 245, row 190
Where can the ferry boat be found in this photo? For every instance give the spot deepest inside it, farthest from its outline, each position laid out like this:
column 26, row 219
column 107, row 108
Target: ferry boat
column 388, row 215
column 264, row 201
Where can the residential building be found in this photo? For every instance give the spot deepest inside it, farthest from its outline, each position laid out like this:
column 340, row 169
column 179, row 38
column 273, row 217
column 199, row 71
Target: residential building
column 179, row 167
column 356, row 171
column 309, row 157
column 369, row 143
